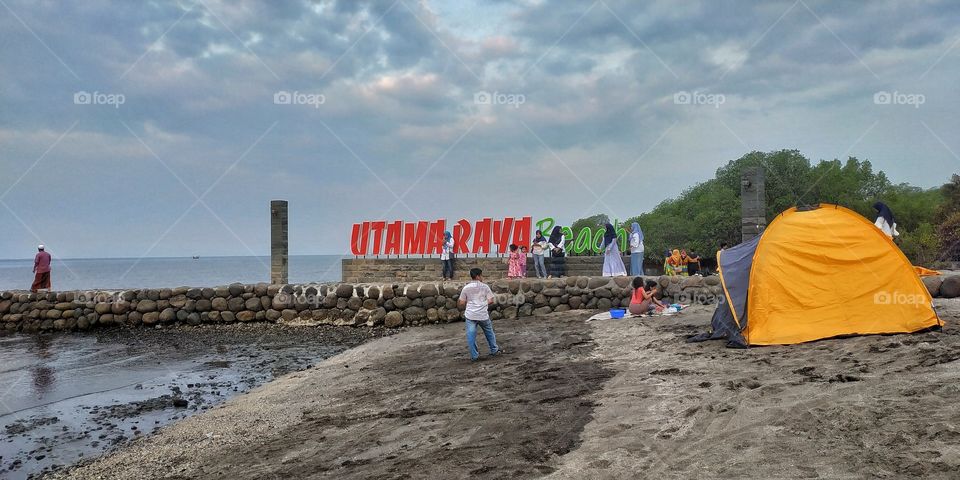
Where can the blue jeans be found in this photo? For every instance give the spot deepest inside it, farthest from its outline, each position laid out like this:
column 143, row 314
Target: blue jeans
column 540, row 266
column 487, row 327
column 636, row 264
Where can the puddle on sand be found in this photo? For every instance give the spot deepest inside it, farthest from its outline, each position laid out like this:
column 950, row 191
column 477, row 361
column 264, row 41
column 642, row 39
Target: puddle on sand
column 67, row 397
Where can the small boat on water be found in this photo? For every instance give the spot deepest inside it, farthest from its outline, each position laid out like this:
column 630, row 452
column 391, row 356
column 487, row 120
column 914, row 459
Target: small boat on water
column 196, row 257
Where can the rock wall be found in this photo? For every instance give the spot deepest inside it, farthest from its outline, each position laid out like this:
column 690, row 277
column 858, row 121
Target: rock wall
column 385, row 270
column 370, row 304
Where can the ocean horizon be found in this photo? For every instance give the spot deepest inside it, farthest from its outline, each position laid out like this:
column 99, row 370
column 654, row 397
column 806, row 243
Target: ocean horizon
column 161, row 272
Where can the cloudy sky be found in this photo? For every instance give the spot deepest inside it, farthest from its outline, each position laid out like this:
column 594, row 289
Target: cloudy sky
column 165, row 128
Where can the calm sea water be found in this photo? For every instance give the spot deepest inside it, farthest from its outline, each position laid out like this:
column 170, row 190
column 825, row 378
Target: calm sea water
column 116, row 273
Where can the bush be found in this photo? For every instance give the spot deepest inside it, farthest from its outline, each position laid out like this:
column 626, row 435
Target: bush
column 922, row 245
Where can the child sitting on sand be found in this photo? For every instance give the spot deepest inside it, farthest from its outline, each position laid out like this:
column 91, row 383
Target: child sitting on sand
column 644, row 300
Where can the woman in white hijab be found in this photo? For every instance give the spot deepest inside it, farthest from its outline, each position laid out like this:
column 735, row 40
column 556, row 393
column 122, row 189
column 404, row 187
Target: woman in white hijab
column 612, row 263
column 636, row 250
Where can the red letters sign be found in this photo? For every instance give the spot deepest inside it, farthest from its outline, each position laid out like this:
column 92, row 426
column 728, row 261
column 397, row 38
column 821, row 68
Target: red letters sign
column 426, row 238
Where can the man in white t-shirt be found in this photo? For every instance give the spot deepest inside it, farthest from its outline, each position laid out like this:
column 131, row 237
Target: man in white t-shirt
column 476, row 297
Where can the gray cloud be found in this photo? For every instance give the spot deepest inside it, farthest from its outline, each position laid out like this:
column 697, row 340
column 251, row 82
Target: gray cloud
column 398, row 81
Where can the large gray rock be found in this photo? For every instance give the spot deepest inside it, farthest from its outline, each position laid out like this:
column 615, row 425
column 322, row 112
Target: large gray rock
column 552, row 292
column 329, row 301
column 401, row 303
column 150, row 318
column 219, row 304
column 451, row 291
column 377, row 317
column 203, row 305
column 235, row 289
column 597, row 282
column 235, row 304
column 541, row 311
column 414, row 314
column 604, row 304
column 168, row 315
column 393, row 319
column 933, row 284
column 246, row 316
column 950, row 288
column 119, row 307
column 575, row 302
column 354, row 303
column 539, row 300
column 344, row 290
column 146, row 306
column 252, row 304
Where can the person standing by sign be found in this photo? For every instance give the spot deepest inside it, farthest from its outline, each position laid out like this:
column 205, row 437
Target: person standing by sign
column 539, row 248
column 636, row 250
column 446, row 255
column 516, row 263
column 612, row 262
column 475, row 298
column 558, row 253
column 41, row 270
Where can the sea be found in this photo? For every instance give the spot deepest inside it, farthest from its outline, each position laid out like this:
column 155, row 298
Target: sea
column 163, row 272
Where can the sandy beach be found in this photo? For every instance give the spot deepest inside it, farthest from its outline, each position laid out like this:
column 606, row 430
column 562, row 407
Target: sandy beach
column 571, row 399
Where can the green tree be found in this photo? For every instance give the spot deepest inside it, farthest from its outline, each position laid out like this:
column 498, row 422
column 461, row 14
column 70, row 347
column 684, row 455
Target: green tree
column 708, row 214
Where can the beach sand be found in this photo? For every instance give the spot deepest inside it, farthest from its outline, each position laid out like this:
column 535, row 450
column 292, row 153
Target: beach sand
column 570, row 399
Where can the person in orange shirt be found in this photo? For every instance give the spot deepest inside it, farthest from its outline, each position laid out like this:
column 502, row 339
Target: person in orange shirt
column 644, row 299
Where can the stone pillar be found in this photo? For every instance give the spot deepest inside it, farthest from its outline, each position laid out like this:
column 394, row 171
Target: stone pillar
column 278, row 241
column 753, row 216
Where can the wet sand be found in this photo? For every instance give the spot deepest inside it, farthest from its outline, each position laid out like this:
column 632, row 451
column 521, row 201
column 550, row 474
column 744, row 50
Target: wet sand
column 612, row 399
column 67, row 397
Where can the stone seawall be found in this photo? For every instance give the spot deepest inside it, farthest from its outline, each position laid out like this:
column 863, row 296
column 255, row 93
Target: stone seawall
column 368, row 304
column 356, row 270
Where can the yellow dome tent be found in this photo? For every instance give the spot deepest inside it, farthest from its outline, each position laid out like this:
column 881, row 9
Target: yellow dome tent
column 816, row 273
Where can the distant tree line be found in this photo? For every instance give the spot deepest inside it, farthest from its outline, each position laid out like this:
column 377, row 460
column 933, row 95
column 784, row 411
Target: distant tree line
column 707, row 214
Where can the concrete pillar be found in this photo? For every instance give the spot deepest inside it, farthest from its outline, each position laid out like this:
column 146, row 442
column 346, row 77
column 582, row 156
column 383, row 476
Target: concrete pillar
column 753, row 216
column 278, row 241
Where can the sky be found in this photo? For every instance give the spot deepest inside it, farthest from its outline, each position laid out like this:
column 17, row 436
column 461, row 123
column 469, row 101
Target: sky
column 155, row 128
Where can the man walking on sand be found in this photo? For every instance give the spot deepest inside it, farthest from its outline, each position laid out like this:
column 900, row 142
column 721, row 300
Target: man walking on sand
column 476, row 296
column 41, row 269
